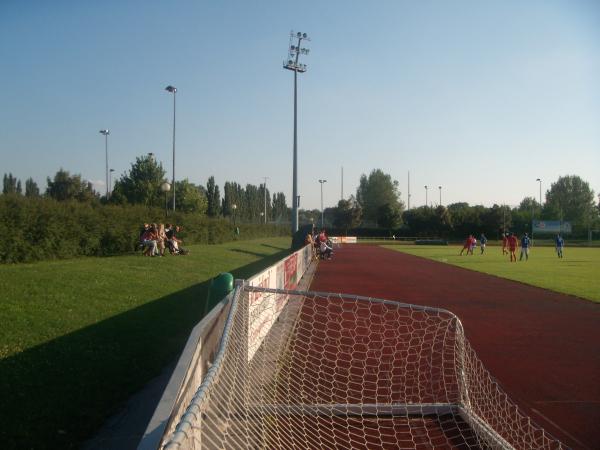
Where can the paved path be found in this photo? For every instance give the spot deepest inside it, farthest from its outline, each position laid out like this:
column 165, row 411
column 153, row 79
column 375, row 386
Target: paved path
column 543, row 347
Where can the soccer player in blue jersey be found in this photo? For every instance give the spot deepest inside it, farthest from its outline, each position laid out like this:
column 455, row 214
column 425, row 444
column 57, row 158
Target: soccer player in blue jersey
column 560, row 243
column 525, row 244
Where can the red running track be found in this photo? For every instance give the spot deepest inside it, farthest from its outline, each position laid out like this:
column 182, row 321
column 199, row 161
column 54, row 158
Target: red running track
column 543, row 347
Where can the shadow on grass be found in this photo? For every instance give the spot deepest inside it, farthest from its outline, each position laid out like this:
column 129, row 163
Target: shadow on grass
column 248, row 252
column 273, row 246
column 57, row 394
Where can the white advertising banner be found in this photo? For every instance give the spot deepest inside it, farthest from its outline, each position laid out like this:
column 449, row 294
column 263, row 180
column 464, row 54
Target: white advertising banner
column 264, row 310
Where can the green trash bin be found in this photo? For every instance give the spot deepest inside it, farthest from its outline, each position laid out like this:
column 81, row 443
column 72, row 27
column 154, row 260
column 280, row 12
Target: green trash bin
column 220, row 286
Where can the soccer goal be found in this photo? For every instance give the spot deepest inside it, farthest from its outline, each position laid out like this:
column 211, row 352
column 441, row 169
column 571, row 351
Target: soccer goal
column 339, row 371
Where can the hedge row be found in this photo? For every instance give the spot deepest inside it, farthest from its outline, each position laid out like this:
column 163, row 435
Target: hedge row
column 33, row 229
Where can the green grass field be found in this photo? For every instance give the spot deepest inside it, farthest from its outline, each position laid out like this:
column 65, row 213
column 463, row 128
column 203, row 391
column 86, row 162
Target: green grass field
column 78, row 337
column 578, row 273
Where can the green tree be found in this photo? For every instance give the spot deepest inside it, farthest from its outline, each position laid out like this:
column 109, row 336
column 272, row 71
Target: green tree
column 70, row 187
column 142, row 184
column 375, row 191
column 280, row 209
column 213, row 198
column 190, row 198
column 570, row 198
column 347, row 215
column 31, row 188
column 389, row 216
column 11, row 185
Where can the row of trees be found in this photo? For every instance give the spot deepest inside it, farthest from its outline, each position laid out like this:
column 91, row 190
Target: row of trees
column 141, row 185
column 375, row 206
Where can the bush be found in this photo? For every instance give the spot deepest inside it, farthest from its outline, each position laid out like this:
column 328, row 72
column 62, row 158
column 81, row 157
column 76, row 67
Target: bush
column 38, row 228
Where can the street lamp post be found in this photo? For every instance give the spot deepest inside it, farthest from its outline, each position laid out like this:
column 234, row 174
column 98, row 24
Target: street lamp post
column 540, row 181
column 426, row 203
column 110, row 183
column 165, row 187
column 106, row 133
column 234, row 207
column 440, row 188
column 173, row 90
column 293, row 65
column 322, row 215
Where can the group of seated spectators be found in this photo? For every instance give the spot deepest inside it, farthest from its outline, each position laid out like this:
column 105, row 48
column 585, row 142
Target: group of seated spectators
column 322, row 245
column 155, row 239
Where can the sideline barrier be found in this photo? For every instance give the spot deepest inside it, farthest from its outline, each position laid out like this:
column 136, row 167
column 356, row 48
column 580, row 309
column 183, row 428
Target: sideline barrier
column 202, row 345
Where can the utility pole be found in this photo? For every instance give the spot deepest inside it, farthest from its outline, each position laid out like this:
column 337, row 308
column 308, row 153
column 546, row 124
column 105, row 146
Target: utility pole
column 173, row 90
column 293, row 65
column 440, row 188
column 426, row 195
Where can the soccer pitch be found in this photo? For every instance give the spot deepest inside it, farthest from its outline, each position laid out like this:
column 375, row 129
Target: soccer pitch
column 575, row 274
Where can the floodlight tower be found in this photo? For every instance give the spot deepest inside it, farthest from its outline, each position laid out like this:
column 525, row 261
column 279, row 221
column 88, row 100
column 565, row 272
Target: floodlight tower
column 426, row 187
column 173, row 90
column 295, row 49
column 106, row 133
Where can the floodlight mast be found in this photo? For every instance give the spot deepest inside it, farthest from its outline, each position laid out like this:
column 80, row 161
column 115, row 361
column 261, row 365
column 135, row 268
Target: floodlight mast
column 293, row 65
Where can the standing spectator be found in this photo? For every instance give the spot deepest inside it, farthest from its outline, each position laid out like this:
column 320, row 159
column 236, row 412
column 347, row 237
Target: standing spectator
column 513, row 243
column 525, row 244
column 482, row 242
column 560, row 243
column 162, row 239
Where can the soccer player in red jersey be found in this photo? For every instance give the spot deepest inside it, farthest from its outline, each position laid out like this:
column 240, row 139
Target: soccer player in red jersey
column 513, row 243
column 504, row 243
column 467, row 245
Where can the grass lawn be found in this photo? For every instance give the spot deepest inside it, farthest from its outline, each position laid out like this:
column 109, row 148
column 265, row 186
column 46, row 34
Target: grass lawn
column 78, row 337
column 578, row 273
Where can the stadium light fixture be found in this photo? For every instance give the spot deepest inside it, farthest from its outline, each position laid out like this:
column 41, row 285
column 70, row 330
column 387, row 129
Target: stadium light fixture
column 106, row 133
column 295, row 49
column 426, row 201
column 540, row 181
column 173, row 90
column 440, row 188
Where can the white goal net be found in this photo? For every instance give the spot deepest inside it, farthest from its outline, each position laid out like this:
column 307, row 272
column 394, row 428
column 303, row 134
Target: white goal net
column 338, row 371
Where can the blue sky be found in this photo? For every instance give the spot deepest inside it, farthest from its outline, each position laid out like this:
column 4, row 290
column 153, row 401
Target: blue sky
column 479, row 97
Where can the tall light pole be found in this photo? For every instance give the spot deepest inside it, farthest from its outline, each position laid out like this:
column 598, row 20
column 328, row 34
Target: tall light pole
column 265, row 187
column 110, row 182
column 322, row 215
column 293, row 65
column 173, row 90
column 440, row 188
column 540, row 181
column 426, row 195
column 106, row 133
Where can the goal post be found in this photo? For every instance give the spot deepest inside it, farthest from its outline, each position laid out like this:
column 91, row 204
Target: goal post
column 343, row 371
